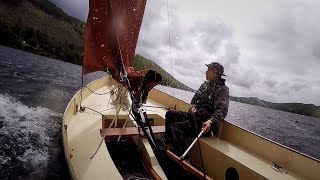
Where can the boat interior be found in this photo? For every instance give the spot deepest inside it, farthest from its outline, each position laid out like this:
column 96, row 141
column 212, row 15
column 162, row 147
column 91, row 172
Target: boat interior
column 93, row 117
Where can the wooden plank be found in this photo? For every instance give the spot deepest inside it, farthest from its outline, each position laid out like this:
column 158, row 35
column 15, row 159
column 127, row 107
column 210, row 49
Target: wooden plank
column 129, row 131
column 187, row 166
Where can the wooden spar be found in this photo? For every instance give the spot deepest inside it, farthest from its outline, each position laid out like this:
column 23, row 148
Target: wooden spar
column 129, row 131
column 187, row 166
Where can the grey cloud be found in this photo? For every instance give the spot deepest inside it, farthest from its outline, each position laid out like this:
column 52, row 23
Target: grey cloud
column 290, row 86
column 270, row 83
column 280, row 35
column 192, row 45
column 152, row 14
column 244, row 76
column 296, row 90
column 290, row 34
column 298, row 86
column 284, row 88
column 153, row 33
column 147, row 43
column 287, row 47
column 210, row 34
column 245, row 82
column 232, row 54
column 316, row 50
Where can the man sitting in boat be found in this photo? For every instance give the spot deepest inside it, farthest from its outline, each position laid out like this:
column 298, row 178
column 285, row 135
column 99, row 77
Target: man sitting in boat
column 209, row 107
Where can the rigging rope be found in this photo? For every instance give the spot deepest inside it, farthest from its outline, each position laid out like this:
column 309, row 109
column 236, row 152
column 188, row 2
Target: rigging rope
column 112, row 122
column 169, row 31
column 98, row 93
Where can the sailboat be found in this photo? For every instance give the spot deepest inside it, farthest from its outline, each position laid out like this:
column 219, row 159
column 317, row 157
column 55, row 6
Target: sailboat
column 125, row 103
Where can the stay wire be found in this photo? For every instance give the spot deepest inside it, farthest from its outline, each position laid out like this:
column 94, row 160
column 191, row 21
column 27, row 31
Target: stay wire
column 81, row 91
column 96, row 111
column 169, row 31
column 82, row 86
column 169, row 34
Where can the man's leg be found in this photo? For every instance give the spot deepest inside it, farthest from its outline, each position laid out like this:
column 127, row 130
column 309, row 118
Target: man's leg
column 173, row 116
column 179, row 132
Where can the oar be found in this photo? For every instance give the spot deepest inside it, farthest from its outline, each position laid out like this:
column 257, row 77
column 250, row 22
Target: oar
column 191, row 145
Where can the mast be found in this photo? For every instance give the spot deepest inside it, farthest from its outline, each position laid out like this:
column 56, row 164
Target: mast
column 112, row 32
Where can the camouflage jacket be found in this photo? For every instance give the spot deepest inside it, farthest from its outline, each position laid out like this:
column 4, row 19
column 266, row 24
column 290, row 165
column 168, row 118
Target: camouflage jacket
column 211, row 101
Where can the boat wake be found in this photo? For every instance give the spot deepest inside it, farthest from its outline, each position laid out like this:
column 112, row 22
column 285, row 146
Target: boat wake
column 25, row 138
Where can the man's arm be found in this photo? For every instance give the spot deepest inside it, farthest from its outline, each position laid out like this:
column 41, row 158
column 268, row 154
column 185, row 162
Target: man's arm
column 221, row 105
column 197, row 95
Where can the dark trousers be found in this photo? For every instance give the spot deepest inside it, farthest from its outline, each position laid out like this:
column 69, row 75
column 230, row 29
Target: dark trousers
column 179, row 127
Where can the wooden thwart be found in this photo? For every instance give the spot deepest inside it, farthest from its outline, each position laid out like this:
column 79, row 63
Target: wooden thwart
column 187, row 166
column 129, row 131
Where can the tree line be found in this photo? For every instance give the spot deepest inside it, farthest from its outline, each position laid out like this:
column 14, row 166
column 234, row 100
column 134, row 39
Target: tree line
column 35, row 41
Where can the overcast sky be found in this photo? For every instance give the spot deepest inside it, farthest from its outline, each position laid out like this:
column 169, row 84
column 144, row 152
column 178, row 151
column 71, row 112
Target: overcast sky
column 270, row 49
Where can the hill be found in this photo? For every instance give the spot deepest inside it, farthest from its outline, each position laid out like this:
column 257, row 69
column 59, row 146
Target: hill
column 40, row 27
column 298, row 108
column 167, row 79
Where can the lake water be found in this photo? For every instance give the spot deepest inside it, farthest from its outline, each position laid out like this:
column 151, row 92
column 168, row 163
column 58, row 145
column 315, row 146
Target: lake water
column 35, row 90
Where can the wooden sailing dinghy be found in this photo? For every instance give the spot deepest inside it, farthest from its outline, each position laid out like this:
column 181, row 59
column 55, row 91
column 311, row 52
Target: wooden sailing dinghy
column 119, row 103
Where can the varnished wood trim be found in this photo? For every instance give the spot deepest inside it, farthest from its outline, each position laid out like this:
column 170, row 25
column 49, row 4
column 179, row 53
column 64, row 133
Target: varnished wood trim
column 187, row 166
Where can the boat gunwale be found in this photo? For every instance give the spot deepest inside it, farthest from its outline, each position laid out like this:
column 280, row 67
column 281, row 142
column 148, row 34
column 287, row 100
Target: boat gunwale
column 65, row 126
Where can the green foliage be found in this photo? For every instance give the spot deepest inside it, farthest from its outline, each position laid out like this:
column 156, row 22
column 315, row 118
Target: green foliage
column 8, row 35
column 56, row 12
column 38, row 42
column 12, row 2
column 50, row 8
column 36, row 27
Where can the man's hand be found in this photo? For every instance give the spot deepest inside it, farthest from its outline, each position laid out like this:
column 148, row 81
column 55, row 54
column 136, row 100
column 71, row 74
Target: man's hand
column 206, row 126
column 192, row 111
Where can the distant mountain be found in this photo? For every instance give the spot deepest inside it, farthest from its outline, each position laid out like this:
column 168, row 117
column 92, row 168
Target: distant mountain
column 298, row 108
